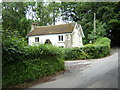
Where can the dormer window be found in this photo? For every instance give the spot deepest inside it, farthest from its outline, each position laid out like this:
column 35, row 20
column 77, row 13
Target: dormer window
column 60, row 37
column 36, row 39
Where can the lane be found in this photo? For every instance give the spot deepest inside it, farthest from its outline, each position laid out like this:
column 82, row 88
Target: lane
column 99, row 73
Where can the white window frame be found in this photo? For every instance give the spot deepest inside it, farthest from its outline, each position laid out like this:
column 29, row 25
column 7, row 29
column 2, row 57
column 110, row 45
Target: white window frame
column 37, row 39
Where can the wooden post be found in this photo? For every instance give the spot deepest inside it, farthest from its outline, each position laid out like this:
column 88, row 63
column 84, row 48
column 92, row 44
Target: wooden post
column 94, row 25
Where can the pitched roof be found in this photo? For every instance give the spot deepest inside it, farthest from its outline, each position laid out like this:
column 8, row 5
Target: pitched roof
column 53, row 29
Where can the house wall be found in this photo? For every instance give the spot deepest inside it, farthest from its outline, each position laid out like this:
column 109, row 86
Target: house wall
column 69, row 40
column 53, row 38
column 77, row 37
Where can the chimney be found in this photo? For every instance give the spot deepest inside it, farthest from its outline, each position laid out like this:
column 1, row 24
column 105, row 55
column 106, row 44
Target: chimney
column 33, row 26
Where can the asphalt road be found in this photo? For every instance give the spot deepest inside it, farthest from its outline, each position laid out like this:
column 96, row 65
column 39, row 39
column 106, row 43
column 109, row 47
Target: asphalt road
column 96, row 73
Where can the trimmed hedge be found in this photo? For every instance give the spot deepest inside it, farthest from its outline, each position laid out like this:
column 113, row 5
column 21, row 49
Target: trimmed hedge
column 43, row 51
column 16, row 49
column 22, row 63
column 100, row 48
column 74, row 54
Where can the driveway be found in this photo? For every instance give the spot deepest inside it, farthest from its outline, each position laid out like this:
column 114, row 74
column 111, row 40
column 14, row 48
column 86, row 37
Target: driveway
column 93, row 73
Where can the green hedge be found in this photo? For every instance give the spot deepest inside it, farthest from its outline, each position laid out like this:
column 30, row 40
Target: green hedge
column 42, row 51
column 22, row 63
column 29, row 70
column 13, row 50
column 16, row 49
column 100, row 48
column 74, row 54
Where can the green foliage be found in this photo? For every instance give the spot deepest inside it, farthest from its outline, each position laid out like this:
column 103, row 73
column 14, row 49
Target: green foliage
column 74, row 54
column 22, row 63
column 25, row 26
column 107, row 13
column 104, row 40
column 13, row 12
column 14, row 18
column 43, row 50
column 99, row 49
column 98, row 33
column 17, row 49
column 13, row 49
column 29, row 70
column 114, row 23
column 47, row 13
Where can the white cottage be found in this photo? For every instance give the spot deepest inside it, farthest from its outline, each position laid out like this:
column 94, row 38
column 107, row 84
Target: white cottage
column 64, row 35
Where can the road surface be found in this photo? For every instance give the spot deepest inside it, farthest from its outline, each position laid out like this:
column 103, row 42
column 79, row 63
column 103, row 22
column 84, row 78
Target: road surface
column 96, row 73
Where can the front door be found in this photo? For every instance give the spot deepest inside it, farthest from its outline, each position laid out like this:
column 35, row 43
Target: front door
column 47, row 41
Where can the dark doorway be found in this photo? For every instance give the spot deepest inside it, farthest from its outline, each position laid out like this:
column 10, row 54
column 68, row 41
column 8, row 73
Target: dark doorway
column 48, row 41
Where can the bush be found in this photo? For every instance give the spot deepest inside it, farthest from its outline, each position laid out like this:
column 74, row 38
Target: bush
column 74, row 54
column 104, row 40
column 22, row 63
column 43, row 50
column 13, row 50
column 99, row 49
column 16, row 49
column 29, row 70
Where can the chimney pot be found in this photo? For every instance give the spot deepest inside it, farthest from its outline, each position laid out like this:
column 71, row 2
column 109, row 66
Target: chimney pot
column 33, row 26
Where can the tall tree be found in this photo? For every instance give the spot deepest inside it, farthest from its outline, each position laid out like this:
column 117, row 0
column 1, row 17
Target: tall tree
column 82, row 12
column 43, row 16
column 13, row 14
column 47, row 12
column 54, row 9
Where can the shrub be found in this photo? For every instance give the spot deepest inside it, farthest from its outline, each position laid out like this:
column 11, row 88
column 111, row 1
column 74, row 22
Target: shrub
column 29, row 70
column 96, row 51
column 22, row 63
column 13, row 50
column 74, row 54
column 16, row 49
column 104, row 40
column 99, row 49
column 43, row 50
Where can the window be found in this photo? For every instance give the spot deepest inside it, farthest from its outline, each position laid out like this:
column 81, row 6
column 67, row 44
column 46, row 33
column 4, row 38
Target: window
column 60, row 38
column 61, row 46
column 37, row 39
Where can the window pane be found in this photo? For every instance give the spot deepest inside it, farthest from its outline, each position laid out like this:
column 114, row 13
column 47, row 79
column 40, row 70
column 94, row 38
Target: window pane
column 37, row 39
column 60, row 38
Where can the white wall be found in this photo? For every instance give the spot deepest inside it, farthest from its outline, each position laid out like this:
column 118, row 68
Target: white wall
column 53, row 38
column 77, row 38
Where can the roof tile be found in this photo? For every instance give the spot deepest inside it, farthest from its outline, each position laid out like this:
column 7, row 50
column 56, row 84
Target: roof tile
column 53, row 29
